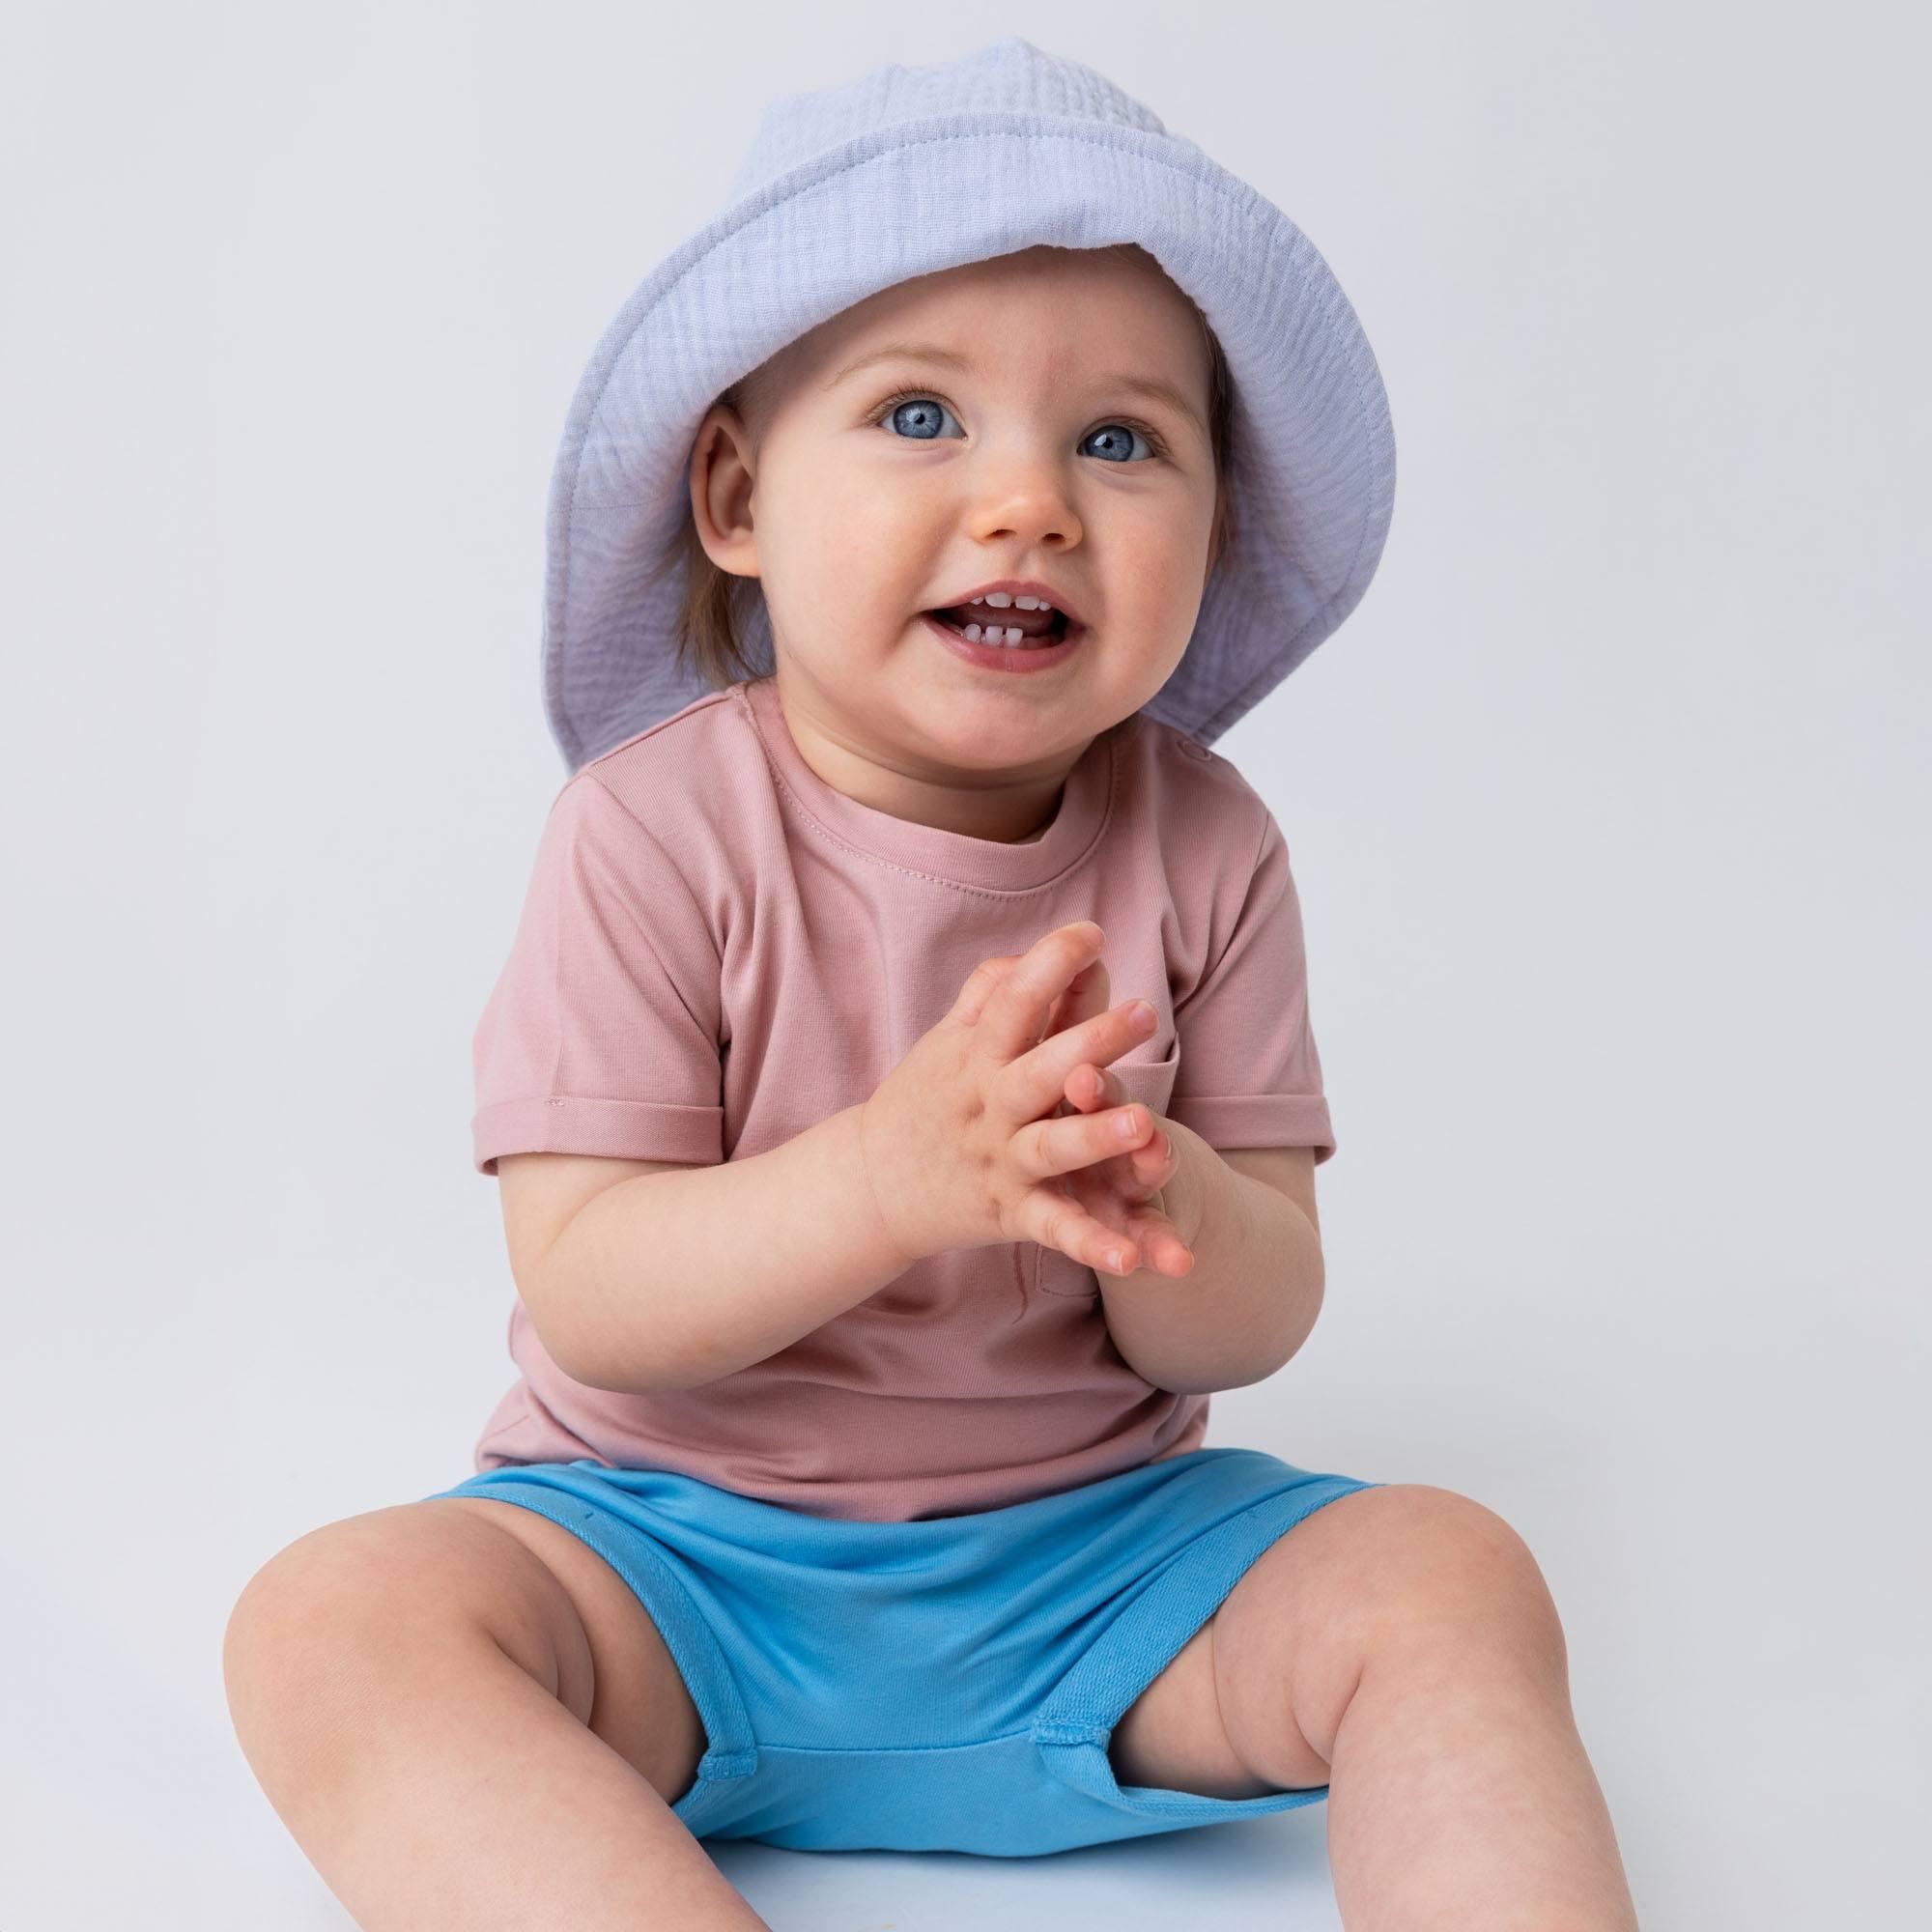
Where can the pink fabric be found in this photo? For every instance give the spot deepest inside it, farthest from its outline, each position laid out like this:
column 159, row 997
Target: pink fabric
column 717, row 950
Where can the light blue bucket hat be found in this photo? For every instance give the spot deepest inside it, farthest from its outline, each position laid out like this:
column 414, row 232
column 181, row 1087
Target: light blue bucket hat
column 905, row 171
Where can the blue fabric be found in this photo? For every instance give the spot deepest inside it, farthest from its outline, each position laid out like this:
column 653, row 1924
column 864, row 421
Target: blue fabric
column 944, row 1685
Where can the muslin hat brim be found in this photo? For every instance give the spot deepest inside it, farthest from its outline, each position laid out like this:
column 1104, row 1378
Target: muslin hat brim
column 1313, row 449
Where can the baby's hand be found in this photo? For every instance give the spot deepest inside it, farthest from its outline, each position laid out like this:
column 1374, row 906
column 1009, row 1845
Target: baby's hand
column 1123, row 1191
column 965, row 1143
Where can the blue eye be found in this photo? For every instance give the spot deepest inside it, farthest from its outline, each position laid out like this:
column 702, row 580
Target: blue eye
column 1113, row 430
column 918, row 417
column 914, row 416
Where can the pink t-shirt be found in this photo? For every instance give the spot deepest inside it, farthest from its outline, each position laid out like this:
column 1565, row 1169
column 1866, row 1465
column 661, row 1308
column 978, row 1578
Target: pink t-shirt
column 717, row 950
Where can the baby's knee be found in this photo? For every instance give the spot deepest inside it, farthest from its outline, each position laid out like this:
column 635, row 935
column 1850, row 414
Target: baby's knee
column 312, row 1627
column 1458, row 1572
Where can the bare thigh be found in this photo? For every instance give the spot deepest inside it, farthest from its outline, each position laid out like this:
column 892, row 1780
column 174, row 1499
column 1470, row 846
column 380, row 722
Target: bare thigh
column 626, row 1686
column 1252, row 1702
column 550, row 1602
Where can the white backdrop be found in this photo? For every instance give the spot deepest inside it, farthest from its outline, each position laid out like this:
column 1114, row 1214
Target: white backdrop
column 1607, row 810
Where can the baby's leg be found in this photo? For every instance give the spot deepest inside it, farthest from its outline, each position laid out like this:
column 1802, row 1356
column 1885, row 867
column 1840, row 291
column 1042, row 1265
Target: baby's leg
column 467, row 1719
column 1405, row 1638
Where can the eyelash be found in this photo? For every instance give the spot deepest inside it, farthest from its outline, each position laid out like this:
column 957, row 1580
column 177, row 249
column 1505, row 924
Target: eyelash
column 881, row 411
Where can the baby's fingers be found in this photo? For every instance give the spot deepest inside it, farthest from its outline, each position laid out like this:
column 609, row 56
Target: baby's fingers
column 1160, row 1242
column 1087, row 1087
column 1056, row 1220
column 1090, row 1088
column 1155, row 1162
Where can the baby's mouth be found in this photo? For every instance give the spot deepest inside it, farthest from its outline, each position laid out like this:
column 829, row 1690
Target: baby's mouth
column 982, row 623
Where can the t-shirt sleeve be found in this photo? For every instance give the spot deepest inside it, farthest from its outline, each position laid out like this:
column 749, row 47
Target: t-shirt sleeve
column 1249, row 1073
column 602, row 1033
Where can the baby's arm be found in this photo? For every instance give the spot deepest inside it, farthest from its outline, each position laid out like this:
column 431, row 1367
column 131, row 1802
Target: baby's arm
column 669, row 1280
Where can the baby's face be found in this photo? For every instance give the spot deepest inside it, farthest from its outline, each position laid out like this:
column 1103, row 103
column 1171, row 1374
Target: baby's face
column 985, row 422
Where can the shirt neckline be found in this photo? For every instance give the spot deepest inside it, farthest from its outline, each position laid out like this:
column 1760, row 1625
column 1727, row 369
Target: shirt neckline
column 1085, row 801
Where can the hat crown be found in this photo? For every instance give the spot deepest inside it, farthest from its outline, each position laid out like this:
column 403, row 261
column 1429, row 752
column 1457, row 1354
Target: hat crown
column 1010, row 76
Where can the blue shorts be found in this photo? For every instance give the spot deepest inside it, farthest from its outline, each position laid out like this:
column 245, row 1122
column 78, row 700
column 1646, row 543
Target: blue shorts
column 944, row 1685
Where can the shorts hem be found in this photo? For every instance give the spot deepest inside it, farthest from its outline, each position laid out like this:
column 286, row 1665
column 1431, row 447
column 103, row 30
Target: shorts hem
column 732, row 1752
column 1072, row 1729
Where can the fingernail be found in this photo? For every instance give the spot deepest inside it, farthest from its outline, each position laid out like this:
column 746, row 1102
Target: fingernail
column 1142, row 1014
column 1127, row 1126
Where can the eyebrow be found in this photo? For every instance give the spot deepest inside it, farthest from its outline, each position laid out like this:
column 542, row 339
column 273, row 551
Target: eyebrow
column 1152, row 388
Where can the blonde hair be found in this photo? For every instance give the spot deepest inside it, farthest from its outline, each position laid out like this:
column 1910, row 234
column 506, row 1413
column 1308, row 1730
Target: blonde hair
column 722, row 611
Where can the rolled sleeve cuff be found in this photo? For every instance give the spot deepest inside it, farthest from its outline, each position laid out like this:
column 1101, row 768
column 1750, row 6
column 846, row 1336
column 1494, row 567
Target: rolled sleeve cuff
column 1259, row 1120
column 624, row 1129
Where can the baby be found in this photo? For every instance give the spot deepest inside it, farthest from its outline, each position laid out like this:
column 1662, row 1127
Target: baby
column 904, row 1106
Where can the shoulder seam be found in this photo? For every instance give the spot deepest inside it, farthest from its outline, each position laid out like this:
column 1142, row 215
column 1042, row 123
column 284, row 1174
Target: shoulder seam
column 677, row 717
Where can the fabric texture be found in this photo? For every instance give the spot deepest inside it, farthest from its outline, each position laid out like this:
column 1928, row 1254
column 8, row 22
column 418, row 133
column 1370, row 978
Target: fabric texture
column 942, row 1686
column 717, row 950
column 903, row 172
